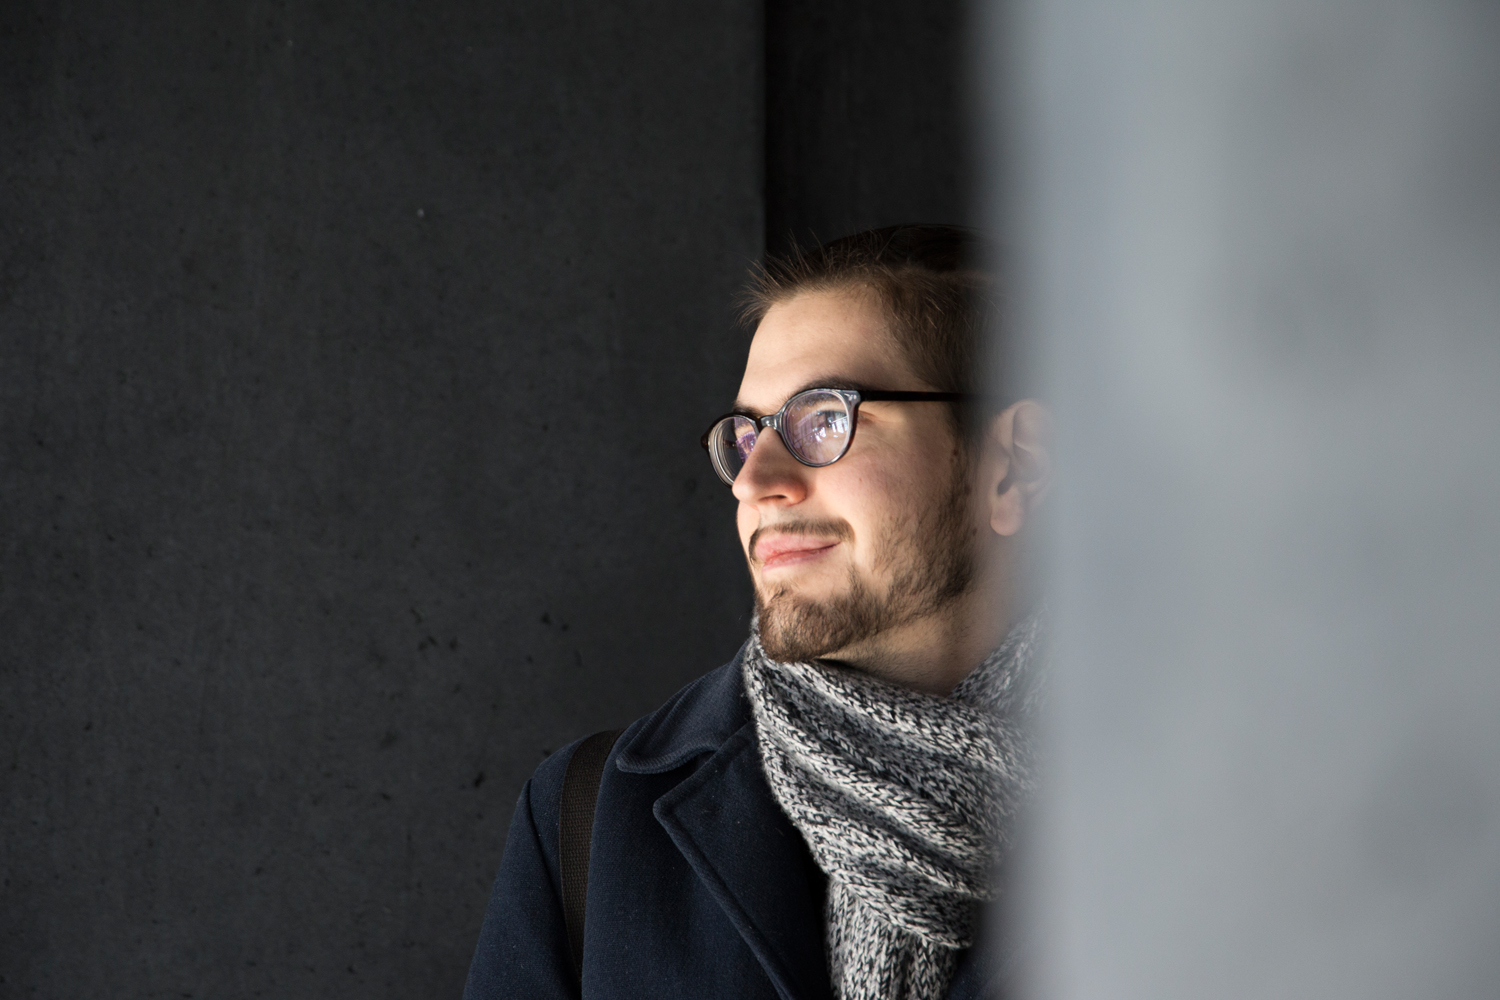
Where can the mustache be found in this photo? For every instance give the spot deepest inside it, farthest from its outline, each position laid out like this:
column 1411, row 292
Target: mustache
column 839, row 530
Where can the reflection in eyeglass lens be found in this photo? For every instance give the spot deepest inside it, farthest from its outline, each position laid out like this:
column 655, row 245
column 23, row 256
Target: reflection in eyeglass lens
column 817, row 426
column 744, row 433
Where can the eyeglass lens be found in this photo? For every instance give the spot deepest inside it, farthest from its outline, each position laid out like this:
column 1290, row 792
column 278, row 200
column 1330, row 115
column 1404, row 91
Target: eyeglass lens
column 815, row 428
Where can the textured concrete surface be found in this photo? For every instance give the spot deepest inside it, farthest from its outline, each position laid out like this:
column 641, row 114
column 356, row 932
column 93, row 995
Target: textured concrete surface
column 353, row 359
column 866, row 116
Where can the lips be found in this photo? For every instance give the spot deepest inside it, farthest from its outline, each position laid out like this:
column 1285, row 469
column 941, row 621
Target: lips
column 787, row 550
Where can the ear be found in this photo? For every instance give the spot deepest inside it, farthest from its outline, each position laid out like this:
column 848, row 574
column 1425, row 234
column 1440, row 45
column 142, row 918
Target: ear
column 1018, row 444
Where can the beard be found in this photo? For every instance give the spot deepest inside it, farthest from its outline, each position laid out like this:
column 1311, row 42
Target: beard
column 930, row 558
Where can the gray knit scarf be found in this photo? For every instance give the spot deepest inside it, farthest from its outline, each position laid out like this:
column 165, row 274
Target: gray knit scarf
column 904, row 799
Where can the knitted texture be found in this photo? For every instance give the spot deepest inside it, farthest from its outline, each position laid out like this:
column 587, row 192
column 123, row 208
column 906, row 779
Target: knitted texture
column 905, row 800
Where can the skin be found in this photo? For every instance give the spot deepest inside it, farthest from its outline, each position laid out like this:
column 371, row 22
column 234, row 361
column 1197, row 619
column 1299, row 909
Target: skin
column 898, row 467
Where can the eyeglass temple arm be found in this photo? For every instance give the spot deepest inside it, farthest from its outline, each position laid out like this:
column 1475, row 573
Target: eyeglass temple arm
column 898, row 396
column 938, row 397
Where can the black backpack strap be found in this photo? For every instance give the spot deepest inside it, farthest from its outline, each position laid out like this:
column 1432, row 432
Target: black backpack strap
column 580, row 790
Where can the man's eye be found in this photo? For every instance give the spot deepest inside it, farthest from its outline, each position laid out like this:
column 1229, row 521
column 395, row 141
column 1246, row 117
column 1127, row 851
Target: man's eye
column 831, row 421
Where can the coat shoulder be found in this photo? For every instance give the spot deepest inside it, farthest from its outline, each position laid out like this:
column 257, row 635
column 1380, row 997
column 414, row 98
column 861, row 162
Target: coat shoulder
column 694, row 721
column 523, row 946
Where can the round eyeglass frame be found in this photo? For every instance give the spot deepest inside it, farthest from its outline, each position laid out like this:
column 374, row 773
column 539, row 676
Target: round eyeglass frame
column 851, row 399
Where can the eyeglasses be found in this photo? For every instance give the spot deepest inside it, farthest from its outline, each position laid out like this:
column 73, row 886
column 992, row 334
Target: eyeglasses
column 816, row 425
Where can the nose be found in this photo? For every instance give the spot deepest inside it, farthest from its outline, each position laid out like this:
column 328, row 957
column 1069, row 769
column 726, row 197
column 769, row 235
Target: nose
column 771, row 475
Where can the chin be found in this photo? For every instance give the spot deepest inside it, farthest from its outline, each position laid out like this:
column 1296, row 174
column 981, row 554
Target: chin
column 797, row 627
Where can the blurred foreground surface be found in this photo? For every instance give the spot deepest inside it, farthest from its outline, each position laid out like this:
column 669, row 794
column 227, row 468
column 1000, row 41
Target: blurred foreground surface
column 1260, row 244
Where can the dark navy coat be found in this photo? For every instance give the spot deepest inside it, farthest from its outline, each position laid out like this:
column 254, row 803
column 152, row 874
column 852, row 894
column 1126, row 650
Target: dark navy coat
column 699, row 886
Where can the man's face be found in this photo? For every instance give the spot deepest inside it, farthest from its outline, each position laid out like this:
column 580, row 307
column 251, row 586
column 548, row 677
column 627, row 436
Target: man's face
column 880, row 539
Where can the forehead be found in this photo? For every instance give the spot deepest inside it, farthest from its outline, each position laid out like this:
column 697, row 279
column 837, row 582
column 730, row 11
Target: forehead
column 838, row 338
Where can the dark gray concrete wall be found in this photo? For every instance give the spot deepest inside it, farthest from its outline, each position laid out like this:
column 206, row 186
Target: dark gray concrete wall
column 866, row 116
column 354, row 360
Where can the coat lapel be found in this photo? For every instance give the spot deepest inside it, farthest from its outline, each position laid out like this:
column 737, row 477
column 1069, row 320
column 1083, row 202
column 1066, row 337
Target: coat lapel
column 730, row 829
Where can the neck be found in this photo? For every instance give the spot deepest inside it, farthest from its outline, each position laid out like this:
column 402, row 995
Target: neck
column 934, row 653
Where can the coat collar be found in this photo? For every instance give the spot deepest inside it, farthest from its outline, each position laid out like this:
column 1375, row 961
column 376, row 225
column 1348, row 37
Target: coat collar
column 735, row 836
column 697, row 720
column 731, row 830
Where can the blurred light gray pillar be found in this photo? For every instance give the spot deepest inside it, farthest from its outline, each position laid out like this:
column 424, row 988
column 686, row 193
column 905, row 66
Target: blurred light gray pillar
column 1258, row 246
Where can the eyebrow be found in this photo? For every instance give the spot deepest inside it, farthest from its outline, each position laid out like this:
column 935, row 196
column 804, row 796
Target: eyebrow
column 821, row 382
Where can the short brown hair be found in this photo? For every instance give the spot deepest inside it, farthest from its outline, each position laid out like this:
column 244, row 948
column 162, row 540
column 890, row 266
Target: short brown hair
column 930, row 279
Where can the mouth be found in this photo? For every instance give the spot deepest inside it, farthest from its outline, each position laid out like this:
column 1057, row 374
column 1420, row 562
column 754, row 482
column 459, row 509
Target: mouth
column 780, row 551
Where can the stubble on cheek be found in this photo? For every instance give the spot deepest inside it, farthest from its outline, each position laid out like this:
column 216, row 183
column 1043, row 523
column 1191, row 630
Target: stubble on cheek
column 921, row 560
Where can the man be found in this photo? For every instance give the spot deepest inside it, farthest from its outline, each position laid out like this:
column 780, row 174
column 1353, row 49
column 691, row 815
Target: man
column 819, row 817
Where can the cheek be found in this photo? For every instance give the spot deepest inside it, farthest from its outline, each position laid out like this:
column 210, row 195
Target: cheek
column 870, row 496
column 889, row 500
